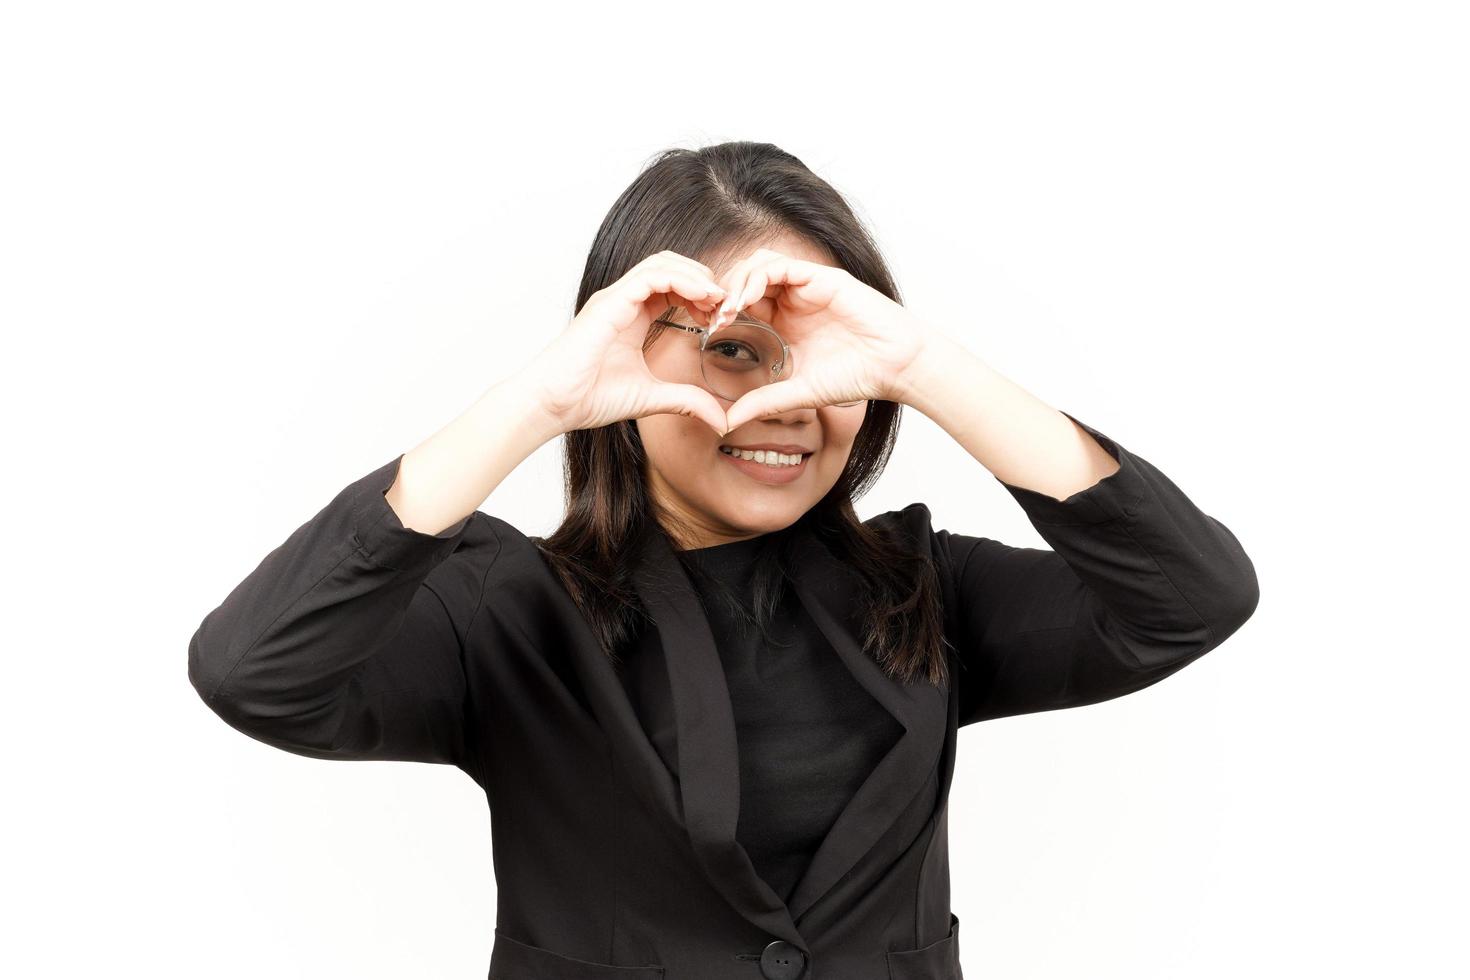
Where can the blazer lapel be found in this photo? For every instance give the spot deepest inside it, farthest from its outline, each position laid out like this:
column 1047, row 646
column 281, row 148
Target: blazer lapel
column 709, row 772
column 708, row 763
column 828, row 589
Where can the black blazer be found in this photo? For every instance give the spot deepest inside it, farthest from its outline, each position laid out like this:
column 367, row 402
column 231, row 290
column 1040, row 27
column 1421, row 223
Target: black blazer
column 359, row 638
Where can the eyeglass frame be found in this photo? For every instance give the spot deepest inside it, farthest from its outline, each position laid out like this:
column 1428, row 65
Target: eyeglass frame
column 704, row 335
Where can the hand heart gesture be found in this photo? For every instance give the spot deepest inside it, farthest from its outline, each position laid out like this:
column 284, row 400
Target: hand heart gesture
column 849, row 342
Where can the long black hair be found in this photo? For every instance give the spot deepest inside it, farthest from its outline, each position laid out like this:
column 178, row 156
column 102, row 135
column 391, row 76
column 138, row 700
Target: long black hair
column 710, row 203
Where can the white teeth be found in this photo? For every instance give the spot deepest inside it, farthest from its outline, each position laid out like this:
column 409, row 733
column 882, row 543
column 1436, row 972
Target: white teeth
column 768, row 456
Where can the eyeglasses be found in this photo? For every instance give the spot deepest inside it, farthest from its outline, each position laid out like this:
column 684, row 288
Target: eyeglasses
column 746, row 355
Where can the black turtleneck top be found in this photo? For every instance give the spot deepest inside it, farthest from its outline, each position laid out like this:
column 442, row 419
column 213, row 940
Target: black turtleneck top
column 808, row 734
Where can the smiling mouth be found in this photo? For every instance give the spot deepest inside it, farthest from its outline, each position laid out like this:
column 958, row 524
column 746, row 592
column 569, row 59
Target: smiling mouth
column 768, row 457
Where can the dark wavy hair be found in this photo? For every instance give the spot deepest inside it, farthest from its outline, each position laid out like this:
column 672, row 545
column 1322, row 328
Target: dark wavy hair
column 709, row 203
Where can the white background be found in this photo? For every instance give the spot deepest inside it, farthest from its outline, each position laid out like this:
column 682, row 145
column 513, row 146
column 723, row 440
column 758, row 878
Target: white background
column 252, row 251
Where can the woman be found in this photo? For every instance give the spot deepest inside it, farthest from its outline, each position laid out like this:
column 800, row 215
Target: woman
column 714, row 713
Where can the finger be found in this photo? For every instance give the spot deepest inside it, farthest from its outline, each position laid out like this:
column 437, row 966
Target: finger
column 690, row 401
column 777, row 271
column 735, row 277
column 771, row 399
column 773, row 272
column 752, row 287
column 672, row 261
column 700, row 312
column 684, row 289
column 694, row 265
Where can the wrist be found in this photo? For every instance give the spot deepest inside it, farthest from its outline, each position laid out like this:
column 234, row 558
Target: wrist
column 924, row 374
column 521, row 398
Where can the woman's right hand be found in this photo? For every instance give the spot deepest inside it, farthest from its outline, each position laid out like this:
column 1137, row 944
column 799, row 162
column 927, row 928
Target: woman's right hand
column 594, row 373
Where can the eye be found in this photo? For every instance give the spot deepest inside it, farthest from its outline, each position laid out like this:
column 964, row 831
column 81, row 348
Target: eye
column 734, row 351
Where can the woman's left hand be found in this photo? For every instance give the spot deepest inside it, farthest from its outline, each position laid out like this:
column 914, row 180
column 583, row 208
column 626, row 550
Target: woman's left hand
column 850, row 343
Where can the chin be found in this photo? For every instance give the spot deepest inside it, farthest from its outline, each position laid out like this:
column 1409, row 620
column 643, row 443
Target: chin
column 757, row 520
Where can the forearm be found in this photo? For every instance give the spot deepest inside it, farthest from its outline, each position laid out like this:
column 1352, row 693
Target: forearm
column 1022, row 440
column 333, row 646
column 448, row 476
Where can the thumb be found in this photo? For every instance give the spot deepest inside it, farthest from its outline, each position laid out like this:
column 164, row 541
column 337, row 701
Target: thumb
column 691, row 401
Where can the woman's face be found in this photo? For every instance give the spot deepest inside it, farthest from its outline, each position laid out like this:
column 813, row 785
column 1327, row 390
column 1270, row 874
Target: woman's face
column 719, row 496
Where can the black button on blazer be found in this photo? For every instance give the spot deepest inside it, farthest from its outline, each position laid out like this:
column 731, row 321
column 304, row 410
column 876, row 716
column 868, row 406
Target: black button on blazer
column 358, row 638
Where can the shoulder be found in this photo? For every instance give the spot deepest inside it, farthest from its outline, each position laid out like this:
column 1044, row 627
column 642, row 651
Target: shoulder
column 914, row 524
column 912, row 528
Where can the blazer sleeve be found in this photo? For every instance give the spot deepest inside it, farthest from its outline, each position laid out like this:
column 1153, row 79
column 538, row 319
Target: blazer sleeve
column 1140, row 583
column 338, row 645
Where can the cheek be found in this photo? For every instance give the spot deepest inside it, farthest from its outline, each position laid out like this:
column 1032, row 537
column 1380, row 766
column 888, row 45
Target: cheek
column 832, row 466
column 842, row 430
column 676, row 444
column 659, row 358
column 842, row 427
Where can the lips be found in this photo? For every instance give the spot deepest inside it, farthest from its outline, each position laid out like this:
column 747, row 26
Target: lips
column 773, row 474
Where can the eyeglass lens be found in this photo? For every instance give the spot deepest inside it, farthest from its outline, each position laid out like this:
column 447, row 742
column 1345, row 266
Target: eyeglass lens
column 740, row 357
